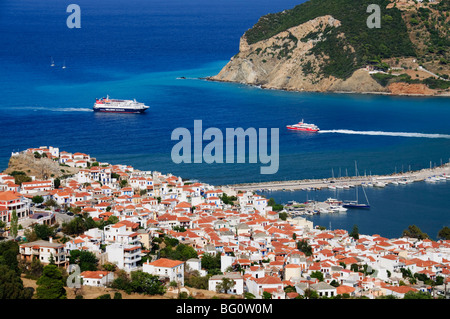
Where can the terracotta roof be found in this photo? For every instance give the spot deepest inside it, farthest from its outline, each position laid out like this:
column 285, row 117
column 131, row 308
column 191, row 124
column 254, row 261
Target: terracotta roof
column 268, row 280
column 8, row 196
column 342, row 289
column 164, row 262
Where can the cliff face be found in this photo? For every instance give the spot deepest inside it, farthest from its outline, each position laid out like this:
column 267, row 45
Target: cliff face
column 410, row 89
column 325, row 46
column 286, row 61
column 42, row 168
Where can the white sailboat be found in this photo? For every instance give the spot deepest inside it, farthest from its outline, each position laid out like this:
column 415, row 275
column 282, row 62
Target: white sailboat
column 356, row 203
column 64, row 65
column 52, row 62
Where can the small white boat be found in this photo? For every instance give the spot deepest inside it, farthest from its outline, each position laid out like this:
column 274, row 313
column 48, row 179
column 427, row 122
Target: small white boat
column 338, row 208
column 431, row 179
column 325, row 211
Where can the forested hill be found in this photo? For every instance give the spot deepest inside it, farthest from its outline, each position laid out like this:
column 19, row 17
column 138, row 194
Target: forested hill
column 322, row 45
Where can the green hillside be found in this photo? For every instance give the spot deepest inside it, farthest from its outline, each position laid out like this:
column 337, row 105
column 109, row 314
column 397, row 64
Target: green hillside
column 391, row 40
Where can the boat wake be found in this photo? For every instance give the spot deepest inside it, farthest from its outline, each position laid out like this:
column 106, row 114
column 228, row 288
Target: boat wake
column 59, row 109
column 72, row 109
column 381, row 133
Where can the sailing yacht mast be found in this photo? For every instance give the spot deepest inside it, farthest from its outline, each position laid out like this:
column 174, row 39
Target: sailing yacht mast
column 356, row 204
column 356, row 188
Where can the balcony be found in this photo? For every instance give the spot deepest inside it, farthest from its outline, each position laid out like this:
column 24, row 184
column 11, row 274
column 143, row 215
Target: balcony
column 132, row 254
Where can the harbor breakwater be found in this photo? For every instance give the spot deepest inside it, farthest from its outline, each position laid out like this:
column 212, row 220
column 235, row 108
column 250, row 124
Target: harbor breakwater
column 429, row 175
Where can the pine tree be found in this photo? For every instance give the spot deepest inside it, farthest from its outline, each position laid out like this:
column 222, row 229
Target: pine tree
column 355, row 233
column 14, row 224
column 51, row 284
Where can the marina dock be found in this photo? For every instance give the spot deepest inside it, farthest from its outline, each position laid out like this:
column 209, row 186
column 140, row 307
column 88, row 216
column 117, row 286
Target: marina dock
column 429, row 175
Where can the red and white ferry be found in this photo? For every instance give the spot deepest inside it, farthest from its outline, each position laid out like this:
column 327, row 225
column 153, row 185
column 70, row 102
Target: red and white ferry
column 302, row 126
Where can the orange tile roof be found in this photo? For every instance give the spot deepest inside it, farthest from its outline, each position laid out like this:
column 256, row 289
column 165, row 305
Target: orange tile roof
column 342, row 289
column 8, row 196
column 164, row 262
column 268, row 280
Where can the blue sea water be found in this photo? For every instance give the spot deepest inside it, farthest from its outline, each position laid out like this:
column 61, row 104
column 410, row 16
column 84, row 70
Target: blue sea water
column 139, row 49
column 392, row 210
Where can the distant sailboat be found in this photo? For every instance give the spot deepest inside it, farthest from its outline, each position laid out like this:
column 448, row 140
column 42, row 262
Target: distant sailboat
column 64, row 65
column 52, row 63
column 356, row 203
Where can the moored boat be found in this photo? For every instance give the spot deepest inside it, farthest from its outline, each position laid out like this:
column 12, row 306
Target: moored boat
column 355, row 204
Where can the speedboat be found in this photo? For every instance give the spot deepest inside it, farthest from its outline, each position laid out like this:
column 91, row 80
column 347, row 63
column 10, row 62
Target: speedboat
column 302, row 126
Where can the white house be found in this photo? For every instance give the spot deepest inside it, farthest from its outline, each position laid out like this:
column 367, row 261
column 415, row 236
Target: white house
column 11, row 201
column 324, row 289
column 173, row 270
column 293, row 272
column 270, row 284
column 126, row 257
column 390, row 262
column 195, row 264
column 44, row 251
column 255, row 271
column 226, row 261
column 398, row 292
column 236, row 289
column 36, row 186
column 97, row 278
column 62, row 198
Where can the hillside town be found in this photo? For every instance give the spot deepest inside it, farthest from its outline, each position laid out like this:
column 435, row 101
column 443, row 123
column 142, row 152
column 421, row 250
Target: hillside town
column 261, row 251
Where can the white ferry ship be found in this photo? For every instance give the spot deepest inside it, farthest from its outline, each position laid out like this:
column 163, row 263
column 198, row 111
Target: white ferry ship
column 119, row 106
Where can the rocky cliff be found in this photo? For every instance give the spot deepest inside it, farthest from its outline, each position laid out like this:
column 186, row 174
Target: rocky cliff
column 41, row 168
column 285, row 61
column 321, row 54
